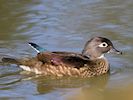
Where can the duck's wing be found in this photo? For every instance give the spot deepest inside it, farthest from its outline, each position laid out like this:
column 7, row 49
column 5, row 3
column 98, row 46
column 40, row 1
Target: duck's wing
column 63, row 58
column 54, row 58
column 75, row 61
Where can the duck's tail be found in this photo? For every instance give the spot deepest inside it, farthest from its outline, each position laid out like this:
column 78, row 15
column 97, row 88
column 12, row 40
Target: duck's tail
column 10, row 60
column 18, row 61
column 37, row 47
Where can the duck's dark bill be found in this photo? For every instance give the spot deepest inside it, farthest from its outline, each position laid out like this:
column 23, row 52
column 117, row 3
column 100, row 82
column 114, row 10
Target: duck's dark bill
column 113, row 50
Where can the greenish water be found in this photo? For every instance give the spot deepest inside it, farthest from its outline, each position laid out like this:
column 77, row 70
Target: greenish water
column 65, row 25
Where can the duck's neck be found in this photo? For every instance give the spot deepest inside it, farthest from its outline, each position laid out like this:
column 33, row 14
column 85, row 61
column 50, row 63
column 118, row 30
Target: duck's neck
column 99, row 57
column 92, row 54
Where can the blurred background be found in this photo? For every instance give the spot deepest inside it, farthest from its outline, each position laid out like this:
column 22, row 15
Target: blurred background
column 65, row 25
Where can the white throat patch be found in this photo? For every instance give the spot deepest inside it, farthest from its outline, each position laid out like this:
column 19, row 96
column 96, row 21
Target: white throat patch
column 102, row 56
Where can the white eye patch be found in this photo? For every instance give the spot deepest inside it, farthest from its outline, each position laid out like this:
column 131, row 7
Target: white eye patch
column 104, row 44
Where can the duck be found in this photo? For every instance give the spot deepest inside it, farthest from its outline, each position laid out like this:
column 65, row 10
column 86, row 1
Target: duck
column 89, row 63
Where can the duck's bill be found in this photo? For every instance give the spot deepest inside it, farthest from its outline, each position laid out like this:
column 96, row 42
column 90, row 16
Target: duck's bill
column 115, row 51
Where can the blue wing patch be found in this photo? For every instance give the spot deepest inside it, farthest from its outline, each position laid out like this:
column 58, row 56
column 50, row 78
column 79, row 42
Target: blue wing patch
column 37, row 47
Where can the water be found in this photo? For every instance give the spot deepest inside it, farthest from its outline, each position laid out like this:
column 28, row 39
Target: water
column 65, row 26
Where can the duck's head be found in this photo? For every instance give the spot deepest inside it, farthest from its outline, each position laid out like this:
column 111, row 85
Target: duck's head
column 98, row 46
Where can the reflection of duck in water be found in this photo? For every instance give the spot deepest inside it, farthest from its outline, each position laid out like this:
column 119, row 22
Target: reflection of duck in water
column 95, row 90
column 90, row 63
column 47, row 84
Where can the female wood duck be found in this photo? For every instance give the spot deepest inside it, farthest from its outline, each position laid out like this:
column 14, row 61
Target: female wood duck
column 91, row 62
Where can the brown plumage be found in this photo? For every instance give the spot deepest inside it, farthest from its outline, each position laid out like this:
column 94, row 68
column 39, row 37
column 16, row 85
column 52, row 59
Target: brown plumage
column 89, row 63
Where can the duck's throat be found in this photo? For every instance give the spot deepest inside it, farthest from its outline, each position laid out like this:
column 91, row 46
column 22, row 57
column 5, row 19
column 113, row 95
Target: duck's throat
column 102, row 56
column 96, row 57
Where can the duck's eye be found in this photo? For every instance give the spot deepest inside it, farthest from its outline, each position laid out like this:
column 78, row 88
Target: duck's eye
column 104, row 44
